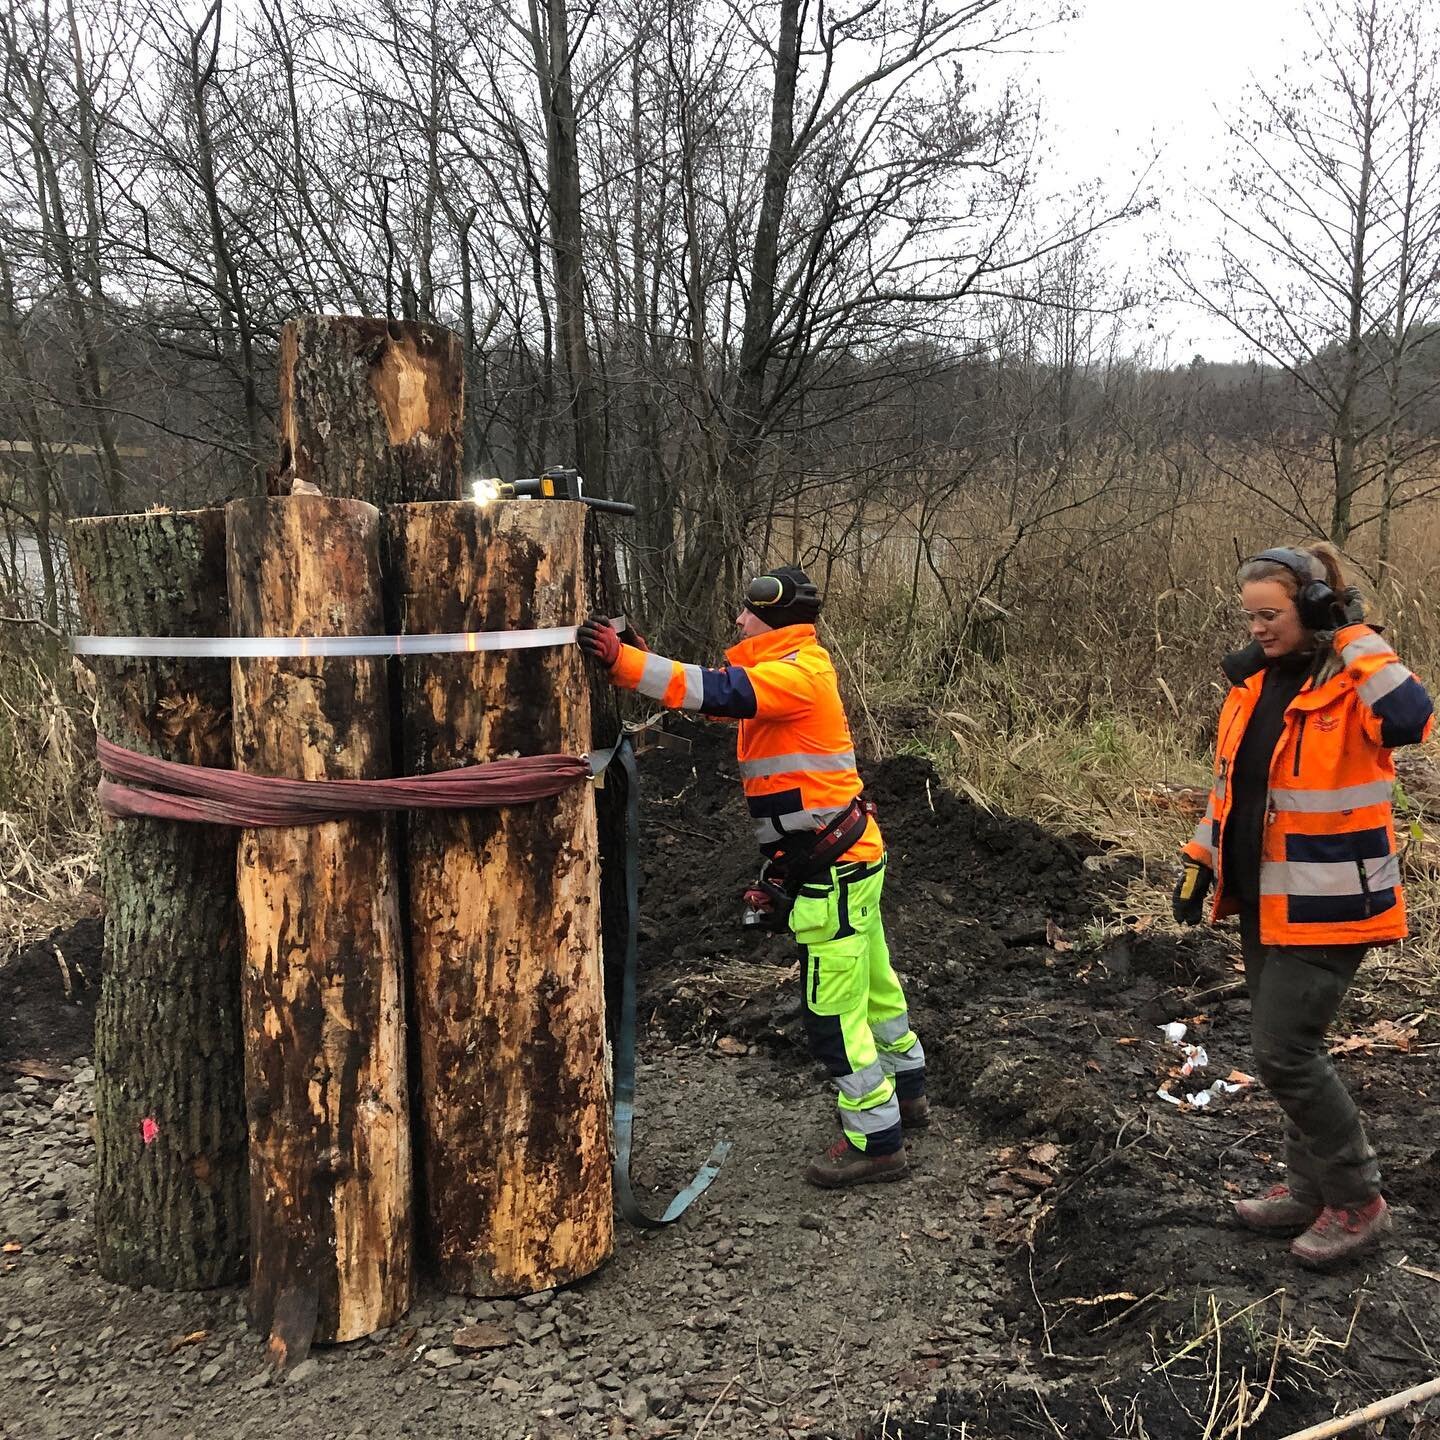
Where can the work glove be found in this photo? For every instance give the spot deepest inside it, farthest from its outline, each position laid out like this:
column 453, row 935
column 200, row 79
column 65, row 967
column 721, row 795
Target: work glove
column 1188, row 901
column 1347, row 609
column 597, row 638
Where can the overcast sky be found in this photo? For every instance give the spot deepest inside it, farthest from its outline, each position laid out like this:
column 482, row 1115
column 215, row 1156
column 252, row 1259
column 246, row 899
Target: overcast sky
column 1131, row 77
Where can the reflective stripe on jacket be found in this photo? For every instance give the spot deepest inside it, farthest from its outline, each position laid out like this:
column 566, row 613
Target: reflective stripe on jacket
column 1329, row 869
column 797, row 760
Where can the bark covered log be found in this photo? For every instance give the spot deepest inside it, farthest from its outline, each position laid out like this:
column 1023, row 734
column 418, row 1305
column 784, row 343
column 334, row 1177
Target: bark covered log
column 170, row 1193
column 323, row 999
column 504, row 908
column 371, row 409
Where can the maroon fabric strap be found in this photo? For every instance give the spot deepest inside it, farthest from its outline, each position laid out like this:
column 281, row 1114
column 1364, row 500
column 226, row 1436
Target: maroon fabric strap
column 167, row 790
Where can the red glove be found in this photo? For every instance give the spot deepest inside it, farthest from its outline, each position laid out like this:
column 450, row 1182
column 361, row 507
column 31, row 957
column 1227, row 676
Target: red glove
column 597, row 638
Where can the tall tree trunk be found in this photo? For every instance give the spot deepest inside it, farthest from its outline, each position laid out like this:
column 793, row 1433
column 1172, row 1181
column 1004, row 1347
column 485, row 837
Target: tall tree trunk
column 504, row 908
column 551, row 41
column 371, row 409
column 59, row 245
column 42, row 476
column 330, row 1179
column 229, row 288
column 1347, row 420
column 170, row 1193
column 716, row 538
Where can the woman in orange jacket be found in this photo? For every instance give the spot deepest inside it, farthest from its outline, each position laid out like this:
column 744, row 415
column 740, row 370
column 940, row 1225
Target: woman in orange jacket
column 1298, row 840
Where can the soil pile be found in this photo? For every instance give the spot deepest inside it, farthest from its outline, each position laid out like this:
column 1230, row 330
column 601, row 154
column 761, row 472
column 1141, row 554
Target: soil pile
column 966, row 891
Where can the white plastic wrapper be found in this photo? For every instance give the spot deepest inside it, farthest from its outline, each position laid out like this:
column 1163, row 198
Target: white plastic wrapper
column 1174, row 1032
column 1195, row 1059
column 1201, row 1098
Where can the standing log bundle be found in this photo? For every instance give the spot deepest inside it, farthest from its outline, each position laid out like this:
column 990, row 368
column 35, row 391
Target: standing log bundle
column 371, row 409
column 504, row 908
column 169, row 1105
column 323, row 998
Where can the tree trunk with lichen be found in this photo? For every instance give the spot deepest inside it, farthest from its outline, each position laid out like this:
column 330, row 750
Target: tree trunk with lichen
column 512, row 1115
column 370, row 409
column 170, row 1189
column 330, row 1179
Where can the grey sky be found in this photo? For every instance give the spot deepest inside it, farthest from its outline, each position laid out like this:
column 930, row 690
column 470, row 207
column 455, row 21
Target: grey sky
column 1133, row 77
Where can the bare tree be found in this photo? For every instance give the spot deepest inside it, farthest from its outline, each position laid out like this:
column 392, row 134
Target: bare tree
column 1319, row 259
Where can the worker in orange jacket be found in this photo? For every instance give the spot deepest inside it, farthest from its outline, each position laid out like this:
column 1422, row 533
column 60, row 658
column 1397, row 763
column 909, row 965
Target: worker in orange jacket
column 825, row 859
column 1298, row 840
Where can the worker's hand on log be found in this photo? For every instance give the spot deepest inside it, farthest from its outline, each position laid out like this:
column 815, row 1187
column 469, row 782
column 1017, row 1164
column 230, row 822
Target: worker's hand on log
column 597, row 638
column 1188, row 902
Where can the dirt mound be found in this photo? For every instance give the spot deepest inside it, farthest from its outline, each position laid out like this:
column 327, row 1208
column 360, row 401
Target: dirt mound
column 965, row 890
column 48, row 992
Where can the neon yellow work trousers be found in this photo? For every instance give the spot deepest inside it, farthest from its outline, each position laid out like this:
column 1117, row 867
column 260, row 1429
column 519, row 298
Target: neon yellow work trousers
column 856, row 1018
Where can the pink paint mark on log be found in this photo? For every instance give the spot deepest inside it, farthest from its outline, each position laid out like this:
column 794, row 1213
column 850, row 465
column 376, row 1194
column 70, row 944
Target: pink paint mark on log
column 149, row 1129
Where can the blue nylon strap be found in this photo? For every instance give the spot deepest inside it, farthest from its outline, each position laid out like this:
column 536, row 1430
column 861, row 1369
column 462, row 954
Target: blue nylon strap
column 630, row 1208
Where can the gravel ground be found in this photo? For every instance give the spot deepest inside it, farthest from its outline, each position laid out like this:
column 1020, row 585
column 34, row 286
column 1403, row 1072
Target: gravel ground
column 772, row 1309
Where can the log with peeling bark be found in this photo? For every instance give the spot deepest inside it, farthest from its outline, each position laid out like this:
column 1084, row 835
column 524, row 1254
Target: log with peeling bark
column 370, row 409
column 513, row 1113
column 170, row 1189
column 325, row 1079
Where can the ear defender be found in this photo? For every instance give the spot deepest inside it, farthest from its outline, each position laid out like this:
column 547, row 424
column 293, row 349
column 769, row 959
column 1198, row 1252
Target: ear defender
column 764, row 590
column 1314, row 598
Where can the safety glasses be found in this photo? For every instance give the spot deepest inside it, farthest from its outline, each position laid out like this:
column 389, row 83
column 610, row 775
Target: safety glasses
column 1265, row 617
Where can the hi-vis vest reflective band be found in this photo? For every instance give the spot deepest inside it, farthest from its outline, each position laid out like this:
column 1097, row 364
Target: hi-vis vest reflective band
column 1329, row 871
column 797, row 760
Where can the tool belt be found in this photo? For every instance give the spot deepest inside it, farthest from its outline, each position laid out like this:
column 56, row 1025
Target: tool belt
column 800, row 858
column 797, row 861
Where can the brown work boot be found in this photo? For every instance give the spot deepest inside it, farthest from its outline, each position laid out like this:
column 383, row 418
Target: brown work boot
column 842, row 1164
column 1340, row 1233
column 1277, row 1212
column 915, row 1113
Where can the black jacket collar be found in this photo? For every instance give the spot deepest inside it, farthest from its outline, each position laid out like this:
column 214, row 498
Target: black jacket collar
column 1240, row 665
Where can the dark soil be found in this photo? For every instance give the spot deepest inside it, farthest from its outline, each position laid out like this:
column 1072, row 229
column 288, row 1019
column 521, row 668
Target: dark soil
column 1056, row 1044
column 48, row 992
column 1053, row 1266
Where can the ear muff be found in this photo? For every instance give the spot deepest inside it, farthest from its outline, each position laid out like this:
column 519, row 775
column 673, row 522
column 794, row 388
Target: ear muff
column 1314, row 597
column 764, row 590
column 783, row 596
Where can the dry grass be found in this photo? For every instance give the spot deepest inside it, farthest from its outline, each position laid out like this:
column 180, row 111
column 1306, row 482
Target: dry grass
column 1096, row 686
column 48, row 819
column 1083, row 682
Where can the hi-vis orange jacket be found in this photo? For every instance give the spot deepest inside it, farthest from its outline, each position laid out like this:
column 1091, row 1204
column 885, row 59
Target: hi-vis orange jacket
column 1329, row 871
column 797, row 760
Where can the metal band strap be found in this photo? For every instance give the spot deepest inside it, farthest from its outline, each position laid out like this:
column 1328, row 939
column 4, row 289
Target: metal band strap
column 323, row 647
column 624, row 754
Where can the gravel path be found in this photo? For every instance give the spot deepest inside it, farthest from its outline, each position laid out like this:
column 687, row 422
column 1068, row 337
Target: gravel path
column 773, row 1310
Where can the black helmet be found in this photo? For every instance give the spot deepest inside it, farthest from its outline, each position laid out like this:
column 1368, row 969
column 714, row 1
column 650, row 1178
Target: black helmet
column 783, row 596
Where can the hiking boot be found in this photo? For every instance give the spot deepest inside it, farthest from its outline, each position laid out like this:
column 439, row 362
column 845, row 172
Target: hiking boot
column 1277, row 1212
column 915, row 1113
column 842, row 1164
column 1340, row 1233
